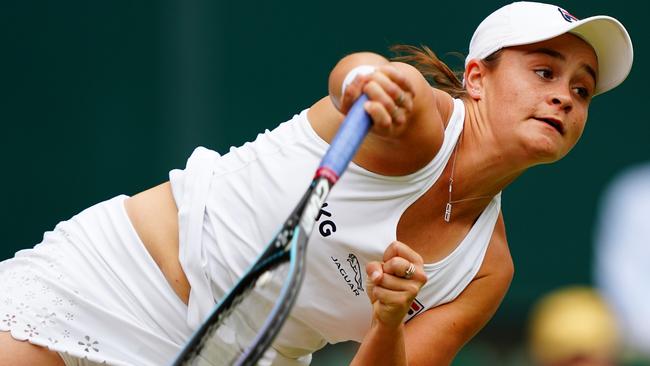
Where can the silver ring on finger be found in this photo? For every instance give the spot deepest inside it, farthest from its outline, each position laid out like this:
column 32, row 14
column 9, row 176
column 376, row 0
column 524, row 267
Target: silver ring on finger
column 400, row 99
column 394, row 112
column 409, row 271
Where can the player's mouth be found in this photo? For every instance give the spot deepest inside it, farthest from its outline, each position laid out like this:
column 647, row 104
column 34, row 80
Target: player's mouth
column 555, row 123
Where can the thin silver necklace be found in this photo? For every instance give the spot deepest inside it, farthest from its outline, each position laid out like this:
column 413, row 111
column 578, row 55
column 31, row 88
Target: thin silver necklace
column 449, row 206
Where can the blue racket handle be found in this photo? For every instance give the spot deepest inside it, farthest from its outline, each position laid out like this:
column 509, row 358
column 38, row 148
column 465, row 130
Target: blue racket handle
column 348, row 138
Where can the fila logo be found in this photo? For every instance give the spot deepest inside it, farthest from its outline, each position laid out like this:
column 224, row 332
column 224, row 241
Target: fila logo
column 415, row 309
column 354, row 283
column 567, row 16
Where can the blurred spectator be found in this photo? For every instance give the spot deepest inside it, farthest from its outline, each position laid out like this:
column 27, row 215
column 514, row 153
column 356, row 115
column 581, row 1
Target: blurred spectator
column 573, row 326
column 622, row 257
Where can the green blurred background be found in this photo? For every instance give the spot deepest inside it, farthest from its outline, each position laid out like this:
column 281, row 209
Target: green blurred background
column 103, row 98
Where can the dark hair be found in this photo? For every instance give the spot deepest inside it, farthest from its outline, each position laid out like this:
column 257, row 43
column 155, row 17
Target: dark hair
column 435, row 70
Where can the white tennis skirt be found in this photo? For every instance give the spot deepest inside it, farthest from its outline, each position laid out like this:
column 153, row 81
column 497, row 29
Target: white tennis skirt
column 91, row 292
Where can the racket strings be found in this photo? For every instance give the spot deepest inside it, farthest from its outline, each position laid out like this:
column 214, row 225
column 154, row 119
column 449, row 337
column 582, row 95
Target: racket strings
column 235, row 331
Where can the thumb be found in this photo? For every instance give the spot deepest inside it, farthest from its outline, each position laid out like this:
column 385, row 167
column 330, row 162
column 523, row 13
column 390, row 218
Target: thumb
column 374, row 272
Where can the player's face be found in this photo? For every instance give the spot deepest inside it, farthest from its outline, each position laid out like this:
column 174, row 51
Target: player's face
column 539, row 95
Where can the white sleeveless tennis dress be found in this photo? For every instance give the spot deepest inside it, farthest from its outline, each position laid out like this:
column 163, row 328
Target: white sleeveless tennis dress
column 231, row 206
column 92, row 292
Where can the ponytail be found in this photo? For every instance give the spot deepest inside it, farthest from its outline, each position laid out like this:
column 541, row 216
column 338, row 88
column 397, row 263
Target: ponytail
column 434, row 70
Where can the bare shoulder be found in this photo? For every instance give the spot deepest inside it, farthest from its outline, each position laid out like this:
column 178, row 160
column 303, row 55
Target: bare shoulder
column 432, row 99
column 448, row 327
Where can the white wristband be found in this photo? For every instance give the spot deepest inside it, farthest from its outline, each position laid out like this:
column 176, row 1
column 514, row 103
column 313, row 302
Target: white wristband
column 352, row 74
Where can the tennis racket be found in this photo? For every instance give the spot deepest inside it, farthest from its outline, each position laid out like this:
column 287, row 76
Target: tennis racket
column 242, row 326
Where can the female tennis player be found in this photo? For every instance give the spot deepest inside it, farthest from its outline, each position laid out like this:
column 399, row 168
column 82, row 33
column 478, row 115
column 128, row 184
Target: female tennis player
column 409, row 255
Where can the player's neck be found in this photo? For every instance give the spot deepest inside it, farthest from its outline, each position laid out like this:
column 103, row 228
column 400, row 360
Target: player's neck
column 482, row 168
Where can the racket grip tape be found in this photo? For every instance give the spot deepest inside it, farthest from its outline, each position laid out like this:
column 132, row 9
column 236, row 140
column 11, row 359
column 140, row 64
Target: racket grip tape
column 345, row 144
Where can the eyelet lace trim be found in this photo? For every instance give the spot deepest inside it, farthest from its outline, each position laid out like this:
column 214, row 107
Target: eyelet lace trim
column 30, row 310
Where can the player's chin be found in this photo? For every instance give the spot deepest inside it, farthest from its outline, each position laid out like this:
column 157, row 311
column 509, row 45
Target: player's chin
column 546, row 150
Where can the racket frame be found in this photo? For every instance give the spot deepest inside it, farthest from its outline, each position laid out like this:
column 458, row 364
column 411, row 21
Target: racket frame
column 290, row 244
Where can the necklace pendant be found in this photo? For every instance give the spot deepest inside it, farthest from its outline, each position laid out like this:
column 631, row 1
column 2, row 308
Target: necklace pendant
column 448, row 211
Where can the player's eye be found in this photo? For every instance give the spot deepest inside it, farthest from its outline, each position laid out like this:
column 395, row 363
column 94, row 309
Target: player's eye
column 582, row 92
column 544, row 73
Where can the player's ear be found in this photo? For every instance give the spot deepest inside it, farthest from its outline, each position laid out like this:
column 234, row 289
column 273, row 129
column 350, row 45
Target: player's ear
column 473, row 78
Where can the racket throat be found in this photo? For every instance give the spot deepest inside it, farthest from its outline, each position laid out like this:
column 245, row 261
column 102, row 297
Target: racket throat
column 316, row 198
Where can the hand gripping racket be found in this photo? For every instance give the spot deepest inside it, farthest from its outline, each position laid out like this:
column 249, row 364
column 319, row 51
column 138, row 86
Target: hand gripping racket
column 231, row 335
